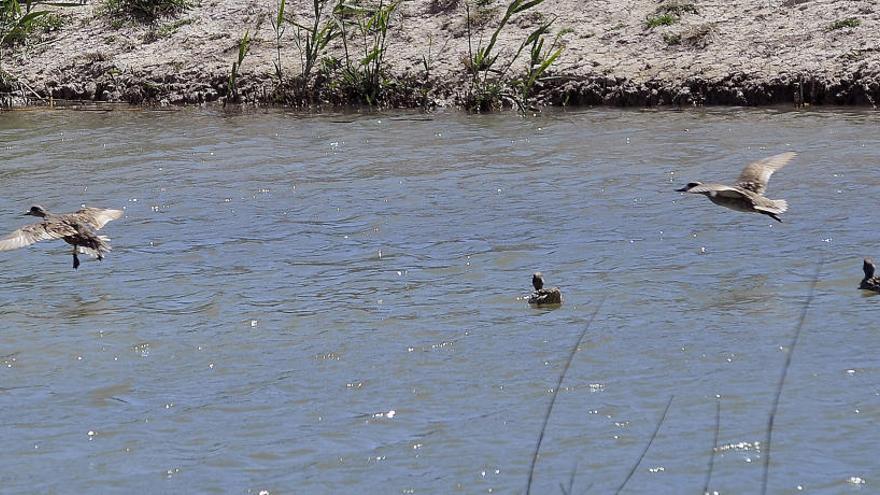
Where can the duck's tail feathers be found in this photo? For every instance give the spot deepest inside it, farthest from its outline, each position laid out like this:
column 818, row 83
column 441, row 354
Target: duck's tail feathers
column 103, row 246
column 772, row 206
column 781, row 205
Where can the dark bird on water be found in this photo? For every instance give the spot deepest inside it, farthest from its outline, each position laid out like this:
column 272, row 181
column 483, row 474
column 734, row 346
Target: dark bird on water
column 870, row 282
column 748, row 193
column 77, row 229
column 542, row 295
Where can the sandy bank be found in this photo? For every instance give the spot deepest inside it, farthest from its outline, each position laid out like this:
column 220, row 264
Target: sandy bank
column 750, row 52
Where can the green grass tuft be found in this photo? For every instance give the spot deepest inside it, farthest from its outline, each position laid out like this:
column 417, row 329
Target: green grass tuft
column 37, row 27
column 849, row 22
column 661, row 20
column 166, row 30
column 144, row 11
column 21, row 21
column 50, row 22
column 672, row 39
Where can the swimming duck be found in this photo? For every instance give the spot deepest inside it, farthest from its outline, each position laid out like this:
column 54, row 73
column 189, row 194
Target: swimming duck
column 551, row 295
column 870, row 282
column 77, row 229
column 748, row 193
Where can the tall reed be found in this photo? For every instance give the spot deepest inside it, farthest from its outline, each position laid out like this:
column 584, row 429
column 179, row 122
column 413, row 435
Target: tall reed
column 559, row 380
column 312, row 37
column 244, row 46
column 489, row 81
column 364, row 74
column 539, row 60
column 785, row 366
column 278, row 30
column 714, row 447
column 641, row 457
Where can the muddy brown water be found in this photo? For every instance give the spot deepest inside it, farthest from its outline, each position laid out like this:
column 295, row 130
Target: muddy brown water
column 329, row 304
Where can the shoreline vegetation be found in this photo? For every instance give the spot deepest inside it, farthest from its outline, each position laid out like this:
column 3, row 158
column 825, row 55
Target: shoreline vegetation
column 478, row 55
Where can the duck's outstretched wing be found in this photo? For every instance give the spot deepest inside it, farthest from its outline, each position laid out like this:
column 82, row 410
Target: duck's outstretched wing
column 97, row 217
column 756, row 175
column 720, row 190
column 30, row 234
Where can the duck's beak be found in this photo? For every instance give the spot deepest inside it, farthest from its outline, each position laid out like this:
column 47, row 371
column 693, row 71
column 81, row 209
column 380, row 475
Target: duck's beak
column 683, row 189
column 28, row 214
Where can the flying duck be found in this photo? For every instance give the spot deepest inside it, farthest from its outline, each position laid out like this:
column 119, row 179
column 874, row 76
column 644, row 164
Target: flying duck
column 748, row 193
column 77, row 229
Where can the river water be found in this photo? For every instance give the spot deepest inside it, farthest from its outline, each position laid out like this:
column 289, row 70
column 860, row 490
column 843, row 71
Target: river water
column 331, row 304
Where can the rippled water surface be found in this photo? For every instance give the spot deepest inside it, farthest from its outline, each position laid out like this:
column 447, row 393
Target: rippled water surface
column 331, row 304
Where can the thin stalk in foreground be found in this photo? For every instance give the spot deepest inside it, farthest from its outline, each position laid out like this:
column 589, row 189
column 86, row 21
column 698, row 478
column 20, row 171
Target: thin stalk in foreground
column 556, row 392
column 567, row 491
column 714, row 446
column 794, row 340
column 647, row 446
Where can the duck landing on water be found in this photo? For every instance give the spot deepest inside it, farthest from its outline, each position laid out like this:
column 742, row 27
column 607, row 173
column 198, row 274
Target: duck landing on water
column 748, row 193
column 870, row 282
column 77, row 229
column 543, row 296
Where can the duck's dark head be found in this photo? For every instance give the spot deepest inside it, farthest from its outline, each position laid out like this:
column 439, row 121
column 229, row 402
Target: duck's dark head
column 868, row 267
column 690, row 186
column 37, row 211
column 537, row 280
